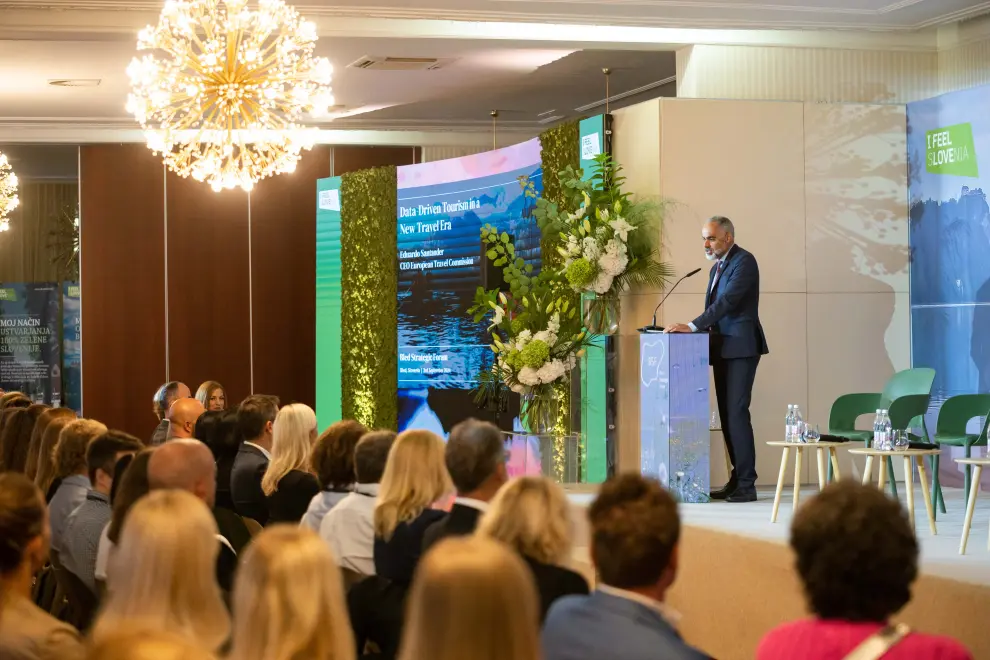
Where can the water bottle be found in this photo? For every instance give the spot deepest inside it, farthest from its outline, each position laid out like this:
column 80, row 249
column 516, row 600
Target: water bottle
column 888, row 430
column 789, row 424
column 798, row 424
column 877, row 433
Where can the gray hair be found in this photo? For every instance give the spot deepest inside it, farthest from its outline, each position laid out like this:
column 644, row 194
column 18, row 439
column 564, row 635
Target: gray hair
column 474, row 451
column 724, row 223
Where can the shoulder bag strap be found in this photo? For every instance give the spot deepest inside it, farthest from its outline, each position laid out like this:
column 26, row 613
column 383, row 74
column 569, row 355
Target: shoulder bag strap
column 876, row 645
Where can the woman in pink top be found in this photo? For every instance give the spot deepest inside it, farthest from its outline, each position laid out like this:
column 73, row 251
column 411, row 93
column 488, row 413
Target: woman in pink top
column 857, row 556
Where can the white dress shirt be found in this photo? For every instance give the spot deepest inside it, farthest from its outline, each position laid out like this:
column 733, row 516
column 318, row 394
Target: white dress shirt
column 265, row 452
column 472, row 503
column 349, row 528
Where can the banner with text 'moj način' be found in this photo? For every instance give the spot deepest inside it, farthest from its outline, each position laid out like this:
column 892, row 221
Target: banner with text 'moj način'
column 30, row 354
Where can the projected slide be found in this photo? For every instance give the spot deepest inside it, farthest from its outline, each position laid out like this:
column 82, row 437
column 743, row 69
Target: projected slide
column 441, row 209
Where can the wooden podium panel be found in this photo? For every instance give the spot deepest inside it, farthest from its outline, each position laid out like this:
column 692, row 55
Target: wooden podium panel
column 674, row 413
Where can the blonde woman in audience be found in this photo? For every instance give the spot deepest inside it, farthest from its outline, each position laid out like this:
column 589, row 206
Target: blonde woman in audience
column 26, row 631
column 46, row 478
column 472, row 598
column 212, row 395
column 532, row 516
column 289, row 600
column 415, row 479
column 147, row 645
column 38, row 434
column 288, row 483
column 161, row 575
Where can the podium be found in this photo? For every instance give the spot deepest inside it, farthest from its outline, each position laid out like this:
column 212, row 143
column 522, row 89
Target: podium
column 674, row 412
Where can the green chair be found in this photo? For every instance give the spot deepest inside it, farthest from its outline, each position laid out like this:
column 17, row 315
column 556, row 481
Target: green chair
column 905, row 396
column 950, row 430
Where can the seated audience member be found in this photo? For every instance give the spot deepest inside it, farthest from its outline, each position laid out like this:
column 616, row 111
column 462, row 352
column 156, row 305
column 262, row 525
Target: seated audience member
column 255, row 419
column 415, row 478
column 85, row 525
column 857, row 557
column 333, row 462
column 219, row 431
column 15, row 441
column 188, row 465
column 288, row 484
column 212, row 395
column 166, row 395
column 71, row 468
column 38, row 434
column 161, row 576
column 47, row 479
column 289, row 600
column 472, row 598
column 13, row 400
column 130, row 486
column 635, row 530
column 147, row 645
column 182, row 416
column 349, row 527
column 26, row 631
column 531, row 515
column 475, row 457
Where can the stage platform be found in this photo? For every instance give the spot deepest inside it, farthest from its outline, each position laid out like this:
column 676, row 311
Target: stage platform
column 737, row 579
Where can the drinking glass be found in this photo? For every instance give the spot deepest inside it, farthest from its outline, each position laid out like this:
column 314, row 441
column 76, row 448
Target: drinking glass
column 812, row 433
column 902, row 441
column 716, row 423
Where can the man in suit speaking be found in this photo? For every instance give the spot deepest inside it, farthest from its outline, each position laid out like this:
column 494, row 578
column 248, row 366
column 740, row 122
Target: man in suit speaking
column 732, row 319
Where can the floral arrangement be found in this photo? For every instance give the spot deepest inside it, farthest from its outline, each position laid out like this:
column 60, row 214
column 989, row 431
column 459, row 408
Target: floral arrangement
column 609, row 243
column 538, row 330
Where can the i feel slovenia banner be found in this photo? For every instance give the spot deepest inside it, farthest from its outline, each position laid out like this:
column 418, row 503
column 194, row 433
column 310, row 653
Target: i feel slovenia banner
column 949, row 163
column 30, row 354
column 442, row 206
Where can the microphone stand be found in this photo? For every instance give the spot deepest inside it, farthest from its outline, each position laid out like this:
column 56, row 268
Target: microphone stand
column 654, row 327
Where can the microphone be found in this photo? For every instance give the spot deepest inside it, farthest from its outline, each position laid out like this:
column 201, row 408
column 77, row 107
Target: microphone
column 654, row 327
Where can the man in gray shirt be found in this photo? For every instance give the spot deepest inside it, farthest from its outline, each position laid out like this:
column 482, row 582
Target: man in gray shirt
column 70, row 465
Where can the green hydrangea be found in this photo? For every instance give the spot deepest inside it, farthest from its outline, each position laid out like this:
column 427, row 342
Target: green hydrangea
column 580, row 273
column 534, row 354
column 512, row 359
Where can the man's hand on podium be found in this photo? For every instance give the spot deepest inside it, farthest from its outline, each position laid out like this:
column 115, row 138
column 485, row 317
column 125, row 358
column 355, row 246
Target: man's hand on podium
column 677, row 327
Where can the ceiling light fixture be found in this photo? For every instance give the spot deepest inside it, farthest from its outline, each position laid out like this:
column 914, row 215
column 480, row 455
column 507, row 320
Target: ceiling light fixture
column 8, row 192
column 224, row 88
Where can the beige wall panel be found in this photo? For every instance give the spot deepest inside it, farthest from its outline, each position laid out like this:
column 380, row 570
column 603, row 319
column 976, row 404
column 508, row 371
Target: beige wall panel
column 636, row 147
column 744, row 160
column 856, row 342
column 856, row 197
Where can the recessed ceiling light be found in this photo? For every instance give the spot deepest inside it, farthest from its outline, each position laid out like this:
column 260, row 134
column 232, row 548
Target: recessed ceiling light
column 75, row 82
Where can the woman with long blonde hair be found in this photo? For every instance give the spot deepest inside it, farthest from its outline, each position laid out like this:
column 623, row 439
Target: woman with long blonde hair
column 472, row 598
column 532, row 516
column 289, row 600
column 38, row 434
column 47, row 478
column 162, row 575
column 147, row 645
column 415, row 479
column 288, row 483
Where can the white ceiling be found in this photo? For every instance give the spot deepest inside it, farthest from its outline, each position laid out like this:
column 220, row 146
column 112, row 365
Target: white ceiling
column 523, row 57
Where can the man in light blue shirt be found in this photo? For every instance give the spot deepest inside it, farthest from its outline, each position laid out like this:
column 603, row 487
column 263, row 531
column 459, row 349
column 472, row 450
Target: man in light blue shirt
column 635, row 530
column 70, row 461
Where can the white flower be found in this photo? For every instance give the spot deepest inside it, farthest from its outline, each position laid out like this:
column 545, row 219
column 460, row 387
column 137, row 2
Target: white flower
column 522, row 339
column 590, row 249
column 614, row 265
column 528, row 376
column 621, row 228
column 602, row 283
column 499, row 317
column 546, row 337
column 554, row 324
column 551, row 371
column 518, row 388
column 604, row 214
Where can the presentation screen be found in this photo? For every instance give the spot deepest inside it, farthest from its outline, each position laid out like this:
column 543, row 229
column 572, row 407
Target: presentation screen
column 442, row 206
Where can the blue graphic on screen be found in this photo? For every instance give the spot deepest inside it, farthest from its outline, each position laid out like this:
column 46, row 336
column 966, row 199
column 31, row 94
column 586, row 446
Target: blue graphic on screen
column 441, row 349
column 950, row 251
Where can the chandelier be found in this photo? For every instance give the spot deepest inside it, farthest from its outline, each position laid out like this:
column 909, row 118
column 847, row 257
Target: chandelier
column 8, row 192
column 223, row 89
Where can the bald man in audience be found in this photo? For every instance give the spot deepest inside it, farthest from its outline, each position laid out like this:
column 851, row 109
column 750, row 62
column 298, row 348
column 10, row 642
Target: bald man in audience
column 182, row 416
column 188, row 465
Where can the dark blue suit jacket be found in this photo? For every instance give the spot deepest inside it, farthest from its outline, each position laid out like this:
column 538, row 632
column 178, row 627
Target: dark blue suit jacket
column 605, row 626
column 732, row 311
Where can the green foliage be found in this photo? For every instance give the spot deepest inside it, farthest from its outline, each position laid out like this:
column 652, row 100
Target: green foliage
column 368, row 282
